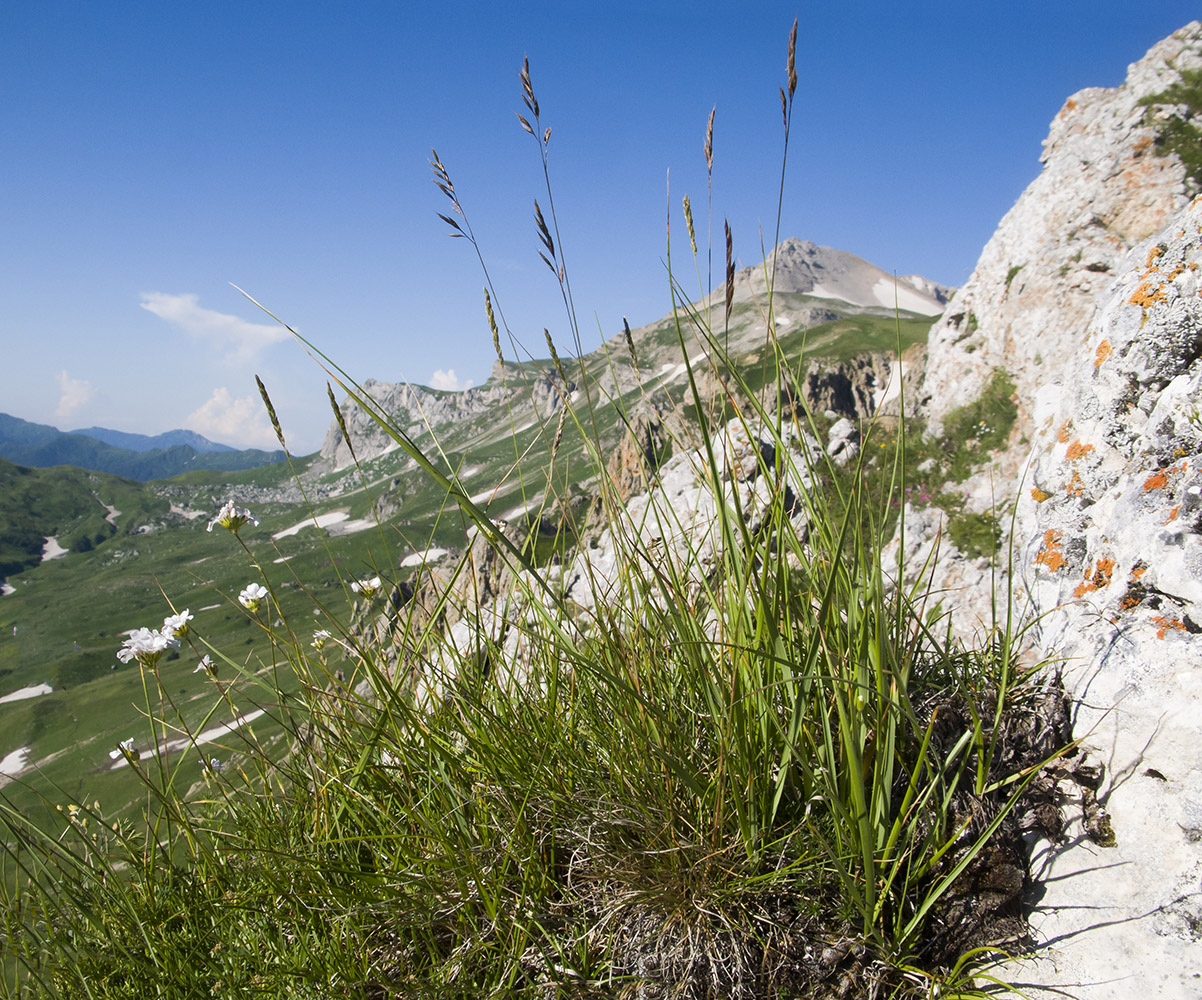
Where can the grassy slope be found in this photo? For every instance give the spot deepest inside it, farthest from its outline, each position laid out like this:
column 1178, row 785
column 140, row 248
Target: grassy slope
column 149, row 555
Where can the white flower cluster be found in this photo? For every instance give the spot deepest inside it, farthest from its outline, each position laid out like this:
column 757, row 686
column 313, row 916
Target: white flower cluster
column 367, row 588
column 177, row 625
column 252, row 596
column 232, row 518
column 146, row 646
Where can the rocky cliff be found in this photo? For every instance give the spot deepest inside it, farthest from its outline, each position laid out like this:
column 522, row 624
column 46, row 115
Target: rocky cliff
column 420, row 410
column 1029, row 303
column 1110, row 529
column 1102, row 189
column 1089, row 296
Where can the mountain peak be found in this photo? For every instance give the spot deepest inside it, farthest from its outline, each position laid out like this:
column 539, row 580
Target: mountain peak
column 809, row 268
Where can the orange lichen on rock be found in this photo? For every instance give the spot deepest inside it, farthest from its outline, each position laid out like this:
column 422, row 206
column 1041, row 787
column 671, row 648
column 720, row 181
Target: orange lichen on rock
column 1077, row 450
column 1147, row 296
column 1165, row 624
column 1098, row 580
column 1075, row 487
column 1159, row 480
column 1062, row 434
column 1173, row 514
column 1104, row 351
column 1050, row 553
column 1150, row 263
column 1069, row 105
column 1038, row 495
column 1138, row 571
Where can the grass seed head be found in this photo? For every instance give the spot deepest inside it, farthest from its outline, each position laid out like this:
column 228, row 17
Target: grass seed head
column 275, row 423
column 791, row 64
column 492, row 325
column 709, row 141
column 346, row 435
column 528, row 89
column 688, row 221
column 555, row 356
column 730, row 271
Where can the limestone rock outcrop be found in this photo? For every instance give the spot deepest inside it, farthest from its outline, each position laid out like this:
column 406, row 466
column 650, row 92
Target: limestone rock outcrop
column 1102, row 189
column 1028, row 303
column 418, row 409
column 1090, row 297
column 1111, row 559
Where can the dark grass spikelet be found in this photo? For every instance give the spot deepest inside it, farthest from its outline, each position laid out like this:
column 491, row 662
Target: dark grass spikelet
column 528, row 89
column 492, row 325
column 442, row 181
column 730, row 272
column 340, row 419
column 629, row 342
column 791, row 64
column 709, row 141
column 275, row 423
column 544, row 235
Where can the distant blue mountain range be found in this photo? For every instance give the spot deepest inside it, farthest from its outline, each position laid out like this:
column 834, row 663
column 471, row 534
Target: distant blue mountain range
column 135, row 456
column 143, row 442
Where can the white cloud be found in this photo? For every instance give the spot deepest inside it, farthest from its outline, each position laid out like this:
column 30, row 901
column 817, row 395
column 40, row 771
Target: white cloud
column 449, row 381
column 74, row 393
column 236, row 338
column 238, row 422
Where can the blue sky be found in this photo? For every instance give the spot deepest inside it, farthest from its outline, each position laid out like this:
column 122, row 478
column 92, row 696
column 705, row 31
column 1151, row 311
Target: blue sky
column 155, row 153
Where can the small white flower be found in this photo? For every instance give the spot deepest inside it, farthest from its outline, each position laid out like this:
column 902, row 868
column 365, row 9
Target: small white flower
column 214, row 765
column 367, row 588
column 252, row 596
column 319, row 638
column 177, row 624
column 146, row 646
column 206, row 665
column 233, row 518
column 123, row 748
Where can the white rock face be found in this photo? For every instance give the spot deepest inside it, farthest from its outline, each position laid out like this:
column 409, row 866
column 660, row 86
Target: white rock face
column 419, row 409
column 1029, row 303
column 1111, row 532
column 676, row 521
column 1102, row 189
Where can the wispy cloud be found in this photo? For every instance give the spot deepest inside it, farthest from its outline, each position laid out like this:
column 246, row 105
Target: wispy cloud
column 240, row 422
column 449, row 381
column 236, row 338
column 73, row 393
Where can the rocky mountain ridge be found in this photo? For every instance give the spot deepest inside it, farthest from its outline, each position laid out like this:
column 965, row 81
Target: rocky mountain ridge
column 813, row 285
